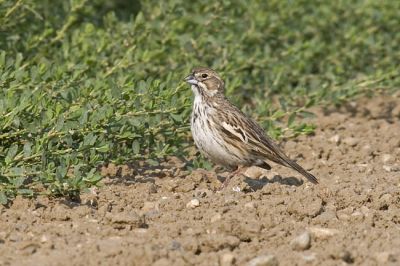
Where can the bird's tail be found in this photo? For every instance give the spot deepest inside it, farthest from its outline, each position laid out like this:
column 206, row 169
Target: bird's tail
column 301, row 170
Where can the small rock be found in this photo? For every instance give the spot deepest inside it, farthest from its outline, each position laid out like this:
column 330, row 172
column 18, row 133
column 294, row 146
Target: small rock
column 44, row 239
column 343, row 255
column 175, row 245
column 193, row 204
column 387, row 168
column 386, row 197
column 322, row 233
column 250, row 205
column 309, row 257
column 264, row 260
column 216, row 218
column 386, row 158
column 384, row 257
column 236, row 189
column 364, row 210
column 351, row 141
column 391, row 168
column 301, row 242
column 171, row 185
column 227, row 259
column 335, row 139
column 149, row 206
column 367, row 149
column 254, row 172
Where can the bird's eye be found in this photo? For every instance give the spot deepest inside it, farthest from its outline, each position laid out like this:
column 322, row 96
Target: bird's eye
column 204, row 76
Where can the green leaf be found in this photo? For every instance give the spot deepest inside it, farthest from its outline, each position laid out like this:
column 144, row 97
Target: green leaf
column 27, row 149
column 25, row 192
column 278, row 114
column 3, row 198
column 307, row 114
column 12, row 151
column 291, row 119
column 103, row 149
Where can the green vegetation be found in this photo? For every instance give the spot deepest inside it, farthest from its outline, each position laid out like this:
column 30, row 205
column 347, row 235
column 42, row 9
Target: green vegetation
column 87, row 82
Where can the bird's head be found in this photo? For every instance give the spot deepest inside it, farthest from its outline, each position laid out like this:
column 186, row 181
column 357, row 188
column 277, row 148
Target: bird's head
column 205, row 81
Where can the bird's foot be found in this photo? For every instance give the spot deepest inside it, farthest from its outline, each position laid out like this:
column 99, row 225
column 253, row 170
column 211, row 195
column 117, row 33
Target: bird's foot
column 229, row 177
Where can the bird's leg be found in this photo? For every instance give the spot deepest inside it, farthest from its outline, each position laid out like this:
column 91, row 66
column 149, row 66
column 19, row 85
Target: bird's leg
column 229, row 177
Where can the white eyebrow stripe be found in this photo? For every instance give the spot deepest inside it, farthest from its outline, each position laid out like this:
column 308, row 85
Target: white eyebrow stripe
column 234, row 131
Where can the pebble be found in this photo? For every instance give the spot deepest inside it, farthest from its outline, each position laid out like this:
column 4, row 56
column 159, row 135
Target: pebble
column 309, row 257
column 386, row 197
column 335, row 139
column 264, row 260
column 388, row 168
column 384, row 257
column 254, row 172
column 193, row 204
column 216, row 218
column 351, row 141
column 364, row 210
column 44, row 239
column 301, row 242
column 150, row 206
column 322, row 233
column 367, row 149
column 343, row 255
column 236, row 189
column 386, row 158
column 227, row 259
column 250, row 205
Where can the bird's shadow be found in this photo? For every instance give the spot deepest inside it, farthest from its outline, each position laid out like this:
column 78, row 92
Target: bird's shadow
column 257, row 184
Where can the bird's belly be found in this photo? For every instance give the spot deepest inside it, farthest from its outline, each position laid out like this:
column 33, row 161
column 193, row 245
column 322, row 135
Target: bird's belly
column 210, row 144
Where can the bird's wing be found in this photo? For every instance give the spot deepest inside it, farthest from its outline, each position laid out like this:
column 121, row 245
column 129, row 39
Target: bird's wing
column 234, row 124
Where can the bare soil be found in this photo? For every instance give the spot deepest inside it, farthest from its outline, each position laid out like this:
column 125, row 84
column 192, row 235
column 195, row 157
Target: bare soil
column 168, row 216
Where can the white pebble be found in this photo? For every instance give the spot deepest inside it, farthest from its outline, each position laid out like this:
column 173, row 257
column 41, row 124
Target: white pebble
column 193, row 204
column 301, row 242
column 335, row 139
column 250, row 205
column 323, row 233
column 236, row 189
column 264, row 260
column 227, row 259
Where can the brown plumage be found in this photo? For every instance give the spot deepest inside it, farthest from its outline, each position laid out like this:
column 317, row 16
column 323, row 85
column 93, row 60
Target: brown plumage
column 225, row 134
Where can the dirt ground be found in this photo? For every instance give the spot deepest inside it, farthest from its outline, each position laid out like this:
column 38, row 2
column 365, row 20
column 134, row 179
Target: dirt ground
column 168, row 216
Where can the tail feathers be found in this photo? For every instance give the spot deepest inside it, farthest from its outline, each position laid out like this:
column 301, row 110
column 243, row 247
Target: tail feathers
column 301, row 170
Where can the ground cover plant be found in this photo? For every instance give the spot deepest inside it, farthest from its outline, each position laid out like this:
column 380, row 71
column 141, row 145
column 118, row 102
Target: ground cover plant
column 88, row 82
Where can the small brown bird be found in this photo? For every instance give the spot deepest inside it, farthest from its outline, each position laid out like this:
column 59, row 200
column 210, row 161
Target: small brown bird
column 225, row 135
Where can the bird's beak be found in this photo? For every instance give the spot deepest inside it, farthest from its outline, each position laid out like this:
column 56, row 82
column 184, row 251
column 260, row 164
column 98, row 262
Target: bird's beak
column 191, row 79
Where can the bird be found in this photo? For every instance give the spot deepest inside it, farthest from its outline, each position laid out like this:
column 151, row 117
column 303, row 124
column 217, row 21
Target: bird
column 225, row 135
